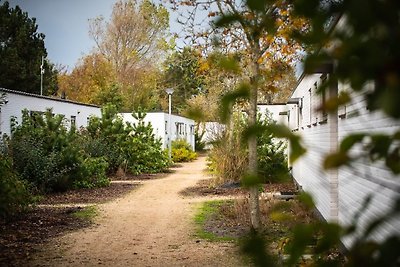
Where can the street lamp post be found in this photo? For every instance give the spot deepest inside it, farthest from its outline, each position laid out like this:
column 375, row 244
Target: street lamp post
column 41, row 76
column 169, row 91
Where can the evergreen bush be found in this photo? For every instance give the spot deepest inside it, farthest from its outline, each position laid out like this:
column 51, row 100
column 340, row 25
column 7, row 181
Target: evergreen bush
column 143, row 151
column 272, row 160
column 132, row 147
column 14, row 193
column 199, row 145
column 44, row 152
column 94, row 173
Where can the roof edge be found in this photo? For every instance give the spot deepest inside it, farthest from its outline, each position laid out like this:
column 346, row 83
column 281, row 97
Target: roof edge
column 47, row 97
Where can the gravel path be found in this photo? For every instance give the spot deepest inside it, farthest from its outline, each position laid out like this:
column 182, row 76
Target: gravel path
column 151, row 226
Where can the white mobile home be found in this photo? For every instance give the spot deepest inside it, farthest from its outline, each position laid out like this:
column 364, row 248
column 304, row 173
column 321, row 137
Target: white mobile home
column 339, row 194
column 181, row 127
column 277, row 111
column 74, row 112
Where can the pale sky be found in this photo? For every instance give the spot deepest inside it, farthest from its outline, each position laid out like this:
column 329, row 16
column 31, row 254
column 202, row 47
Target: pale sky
column 65, row 25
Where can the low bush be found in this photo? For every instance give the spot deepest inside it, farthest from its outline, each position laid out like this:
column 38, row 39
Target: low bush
column 99, row 146
column 45, row 156
column 228, row 159
column 44, row 152
column 94, row 173
column 143, row 151
column 14, row 193
column 199, row 145
column 134, row 148
column 182, row 152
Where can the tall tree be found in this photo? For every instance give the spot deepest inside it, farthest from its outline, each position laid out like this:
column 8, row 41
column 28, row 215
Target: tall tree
column 146, row 93
column 183, row 74
column 92, row 75
column 277, row 83
column 260, row 29
column 21, row 52
column 134, row 37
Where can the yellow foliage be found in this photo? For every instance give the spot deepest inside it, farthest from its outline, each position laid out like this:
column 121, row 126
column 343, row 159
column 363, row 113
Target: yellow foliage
column 91, row 75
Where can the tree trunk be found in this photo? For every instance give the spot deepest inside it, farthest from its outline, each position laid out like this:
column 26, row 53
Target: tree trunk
column 252, row 142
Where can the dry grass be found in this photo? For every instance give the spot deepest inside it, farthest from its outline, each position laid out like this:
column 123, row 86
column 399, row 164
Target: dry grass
column 230, row 219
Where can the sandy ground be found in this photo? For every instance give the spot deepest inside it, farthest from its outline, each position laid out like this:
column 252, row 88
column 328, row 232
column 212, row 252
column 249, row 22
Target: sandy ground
column 151, row 226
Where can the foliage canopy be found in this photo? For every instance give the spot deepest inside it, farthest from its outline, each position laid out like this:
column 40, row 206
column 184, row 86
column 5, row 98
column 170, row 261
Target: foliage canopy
column 21, row 52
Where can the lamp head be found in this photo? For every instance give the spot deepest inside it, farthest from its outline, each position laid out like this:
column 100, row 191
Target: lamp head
column 169, row 91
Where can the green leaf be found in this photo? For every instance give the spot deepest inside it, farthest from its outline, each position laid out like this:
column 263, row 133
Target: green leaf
column 255, row 130
column 331, row 233
column 349, row 141
column 254, row 246
column 393, row 160
column 280, row 131
column 296, row 149
column 229, row 64
column 336, row 160
column 256, row 5
column 250, row 180
column 229, row 99
column 396, row 136
column 303, row 235
column 380, row 145
column 307, row 200
column 227, row 20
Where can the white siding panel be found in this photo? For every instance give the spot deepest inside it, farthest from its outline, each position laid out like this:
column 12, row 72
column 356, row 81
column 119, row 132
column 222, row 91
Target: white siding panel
column 159, row 122
column 356, row 183
column 366, row 178
column 275, row 110
column 17, row 102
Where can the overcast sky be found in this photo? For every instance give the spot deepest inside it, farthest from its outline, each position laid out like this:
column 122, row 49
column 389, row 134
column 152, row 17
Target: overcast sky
column 65, row 24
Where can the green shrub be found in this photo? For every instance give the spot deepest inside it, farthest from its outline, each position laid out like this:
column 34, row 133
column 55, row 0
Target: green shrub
column 180, row 143
column 14, row 194
column 132, row 147
column 199, row 145
column 228, row 159
column 182, row 152
column 44, row 152
column 183, row 155
column 50, row 158
column 100, row 146
column 143, row 151
column 272, row 160
column 94, row 173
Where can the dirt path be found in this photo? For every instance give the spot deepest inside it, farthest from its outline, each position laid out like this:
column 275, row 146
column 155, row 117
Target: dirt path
column 151, row 226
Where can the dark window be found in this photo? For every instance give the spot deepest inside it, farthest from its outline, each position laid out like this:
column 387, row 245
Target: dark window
column 324, row 114
column 73, row 121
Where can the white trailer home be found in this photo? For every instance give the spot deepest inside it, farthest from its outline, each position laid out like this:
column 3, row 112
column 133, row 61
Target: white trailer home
column 181, row 127
column 212, row 130
column 74, row 112
column 339, row 194
column 278, row 111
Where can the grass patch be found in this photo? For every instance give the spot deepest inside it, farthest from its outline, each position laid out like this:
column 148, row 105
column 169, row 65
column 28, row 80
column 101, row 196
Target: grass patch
column 228, row 220
column 87, row 213
column 206, row 214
